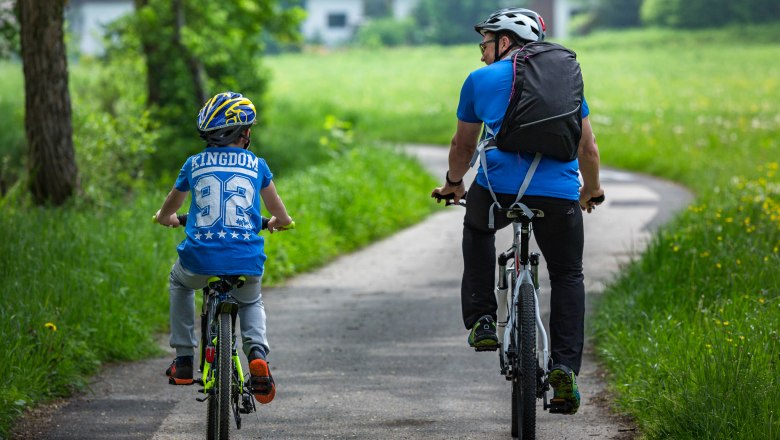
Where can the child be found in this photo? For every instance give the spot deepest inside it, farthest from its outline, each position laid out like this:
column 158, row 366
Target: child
column 227, row 182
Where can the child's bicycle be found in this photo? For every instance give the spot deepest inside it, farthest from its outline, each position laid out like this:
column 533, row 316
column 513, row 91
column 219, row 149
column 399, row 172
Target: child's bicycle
column 518, row 319
column 225, row 387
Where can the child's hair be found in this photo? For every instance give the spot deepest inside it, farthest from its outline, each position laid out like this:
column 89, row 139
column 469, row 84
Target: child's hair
column 225, row 117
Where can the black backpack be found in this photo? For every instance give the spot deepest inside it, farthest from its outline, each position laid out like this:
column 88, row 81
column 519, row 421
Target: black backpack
column 544, row 112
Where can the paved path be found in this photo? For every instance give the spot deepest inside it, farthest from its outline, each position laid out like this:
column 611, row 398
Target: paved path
column 371, row 346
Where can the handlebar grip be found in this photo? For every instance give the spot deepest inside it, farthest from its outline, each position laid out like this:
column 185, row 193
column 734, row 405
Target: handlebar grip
column 599, row 199
column 448, row 198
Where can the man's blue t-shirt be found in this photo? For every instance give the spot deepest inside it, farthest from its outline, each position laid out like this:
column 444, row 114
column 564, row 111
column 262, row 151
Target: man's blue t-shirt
column 224, row 215
column 484, row 98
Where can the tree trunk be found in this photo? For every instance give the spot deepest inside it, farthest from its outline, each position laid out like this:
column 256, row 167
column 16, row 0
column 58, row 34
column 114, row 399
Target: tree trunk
column 154, row 66
column 193, row 64
column 47, row 122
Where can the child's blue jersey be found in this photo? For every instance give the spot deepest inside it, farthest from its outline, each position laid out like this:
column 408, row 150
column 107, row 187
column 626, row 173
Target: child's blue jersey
column 484, row 98
column 224, row 216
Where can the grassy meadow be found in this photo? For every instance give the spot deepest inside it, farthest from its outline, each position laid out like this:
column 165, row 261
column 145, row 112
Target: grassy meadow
column 689, row 332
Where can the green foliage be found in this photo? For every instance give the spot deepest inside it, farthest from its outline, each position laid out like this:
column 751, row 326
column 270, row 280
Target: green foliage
column 222, row 41
column 452, row 21
column 708, row 13
column 337, row 208
column 387, row 32
column 100, row 275
column 96, row 276
column 9, row 29
column 617, row 13
column 13, row 153
column 686, row 330
column 114, row 134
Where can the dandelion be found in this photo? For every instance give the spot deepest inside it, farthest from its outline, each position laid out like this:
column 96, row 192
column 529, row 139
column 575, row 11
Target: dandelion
column 761, row 300
column 741, row 338
column 729, row 340
column 729, row 220
column 718, row 265
column 704, row 254
column 50, row 326
column 726, row 323
column 708, row 346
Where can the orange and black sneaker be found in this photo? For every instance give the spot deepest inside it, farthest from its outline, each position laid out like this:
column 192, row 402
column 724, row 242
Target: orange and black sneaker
column 261, row 382
column 180, row 371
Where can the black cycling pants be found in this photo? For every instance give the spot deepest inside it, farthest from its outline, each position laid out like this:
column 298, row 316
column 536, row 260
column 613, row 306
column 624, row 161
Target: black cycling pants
column 560, row 237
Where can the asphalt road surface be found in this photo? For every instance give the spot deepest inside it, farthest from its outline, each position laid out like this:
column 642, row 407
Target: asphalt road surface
column 372, row 345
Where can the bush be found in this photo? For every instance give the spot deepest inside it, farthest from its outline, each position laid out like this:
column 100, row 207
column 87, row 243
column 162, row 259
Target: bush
column 386, row 32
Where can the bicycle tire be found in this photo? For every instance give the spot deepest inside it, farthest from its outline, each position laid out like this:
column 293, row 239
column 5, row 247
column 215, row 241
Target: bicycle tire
column 524, row 366
column 219, row 404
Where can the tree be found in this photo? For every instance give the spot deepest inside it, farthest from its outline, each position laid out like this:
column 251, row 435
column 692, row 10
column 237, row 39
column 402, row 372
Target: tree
column 452, row 21
column 195, row 48
column 51, row 159
column 9, row 29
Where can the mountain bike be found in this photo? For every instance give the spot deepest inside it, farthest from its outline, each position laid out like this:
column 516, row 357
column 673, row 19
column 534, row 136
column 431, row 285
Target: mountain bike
column 225, row 387
column 519, row 318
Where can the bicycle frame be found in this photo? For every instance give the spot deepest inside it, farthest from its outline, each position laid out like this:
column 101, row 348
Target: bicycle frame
column 525, row 270
column 215, row 303
column 218, row 304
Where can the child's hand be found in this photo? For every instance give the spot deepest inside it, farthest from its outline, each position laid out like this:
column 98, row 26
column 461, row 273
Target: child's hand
column 171, row 221
column 274, row 224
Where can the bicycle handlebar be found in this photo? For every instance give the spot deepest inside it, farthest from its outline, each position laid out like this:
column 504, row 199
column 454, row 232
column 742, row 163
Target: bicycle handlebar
column 448, row 199
column 263, row 225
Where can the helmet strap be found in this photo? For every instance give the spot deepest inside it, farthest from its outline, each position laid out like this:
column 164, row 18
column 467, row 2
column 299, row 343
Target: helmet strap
column 247, row 137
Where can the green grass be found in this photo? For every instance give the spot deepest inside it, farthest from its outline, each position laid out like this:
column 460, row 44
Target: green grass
column 688, row 332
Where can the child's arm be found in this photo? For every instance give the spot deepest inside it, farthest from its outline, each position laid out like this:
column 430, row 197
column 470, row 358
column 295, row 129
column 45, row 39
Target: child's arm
column 166, row 216
column 275, row 206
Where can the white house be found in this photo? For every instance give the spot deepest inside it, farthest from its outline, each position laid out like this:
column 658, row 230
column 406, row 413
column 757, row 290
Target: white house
column 332, row 22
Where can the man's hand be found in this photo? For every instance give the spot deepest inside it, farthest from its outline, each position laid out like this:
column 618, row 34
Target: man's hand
column 590, row 198
column 458, row 190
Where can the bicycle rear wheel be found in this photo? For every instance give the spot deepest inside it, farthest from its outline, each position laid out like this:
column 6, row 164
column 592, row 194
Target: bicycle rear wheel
column 524, row 366
column 219, row 403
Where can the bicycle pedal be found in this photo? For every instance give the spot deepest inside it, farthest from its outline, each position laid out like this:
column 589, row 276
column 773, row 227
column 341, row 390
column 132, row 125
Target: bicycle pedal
column 559, row 406
column 487, row 348
column 173, row 381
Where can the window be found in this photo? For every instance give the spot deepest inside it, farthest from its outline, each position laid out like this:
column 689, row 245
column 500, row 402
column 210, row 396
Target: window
column 337, row 20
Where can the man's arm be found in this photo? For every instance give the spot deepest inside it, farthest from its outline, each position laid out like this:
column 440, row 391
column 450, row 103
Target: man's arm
column 588, row 156
column 462, row 147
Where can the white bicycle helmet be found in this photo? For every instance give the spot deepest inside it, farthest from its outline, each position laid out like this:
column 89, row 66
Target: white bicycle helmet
column 526, row 24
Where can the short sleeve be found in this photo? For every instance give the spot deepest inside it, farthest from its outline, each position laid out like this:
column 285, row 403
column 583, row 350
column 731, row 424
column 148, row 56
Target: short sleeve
column 265, row 174
column 466, row 109
column 183, row 182
column 585, row 108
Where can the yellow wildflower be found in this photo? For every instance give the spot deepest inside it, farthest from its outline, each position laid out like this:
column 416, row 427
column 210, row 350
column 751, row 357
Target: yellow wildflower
column 50, row 326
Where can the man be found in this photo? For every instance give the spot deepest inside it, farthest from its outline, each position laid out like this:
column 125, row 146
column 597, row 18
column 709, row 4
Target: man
column 555, row 189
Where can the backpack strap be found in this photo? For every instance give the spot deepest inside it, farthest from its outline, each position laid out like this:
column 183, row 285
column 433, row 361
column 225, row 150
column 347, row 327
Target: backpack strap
column 489, row 144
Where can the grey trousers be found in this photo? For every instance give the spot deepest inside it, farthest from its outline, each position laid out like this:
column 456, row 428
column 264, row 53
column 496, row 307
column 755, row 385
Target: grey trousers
column 251, row 311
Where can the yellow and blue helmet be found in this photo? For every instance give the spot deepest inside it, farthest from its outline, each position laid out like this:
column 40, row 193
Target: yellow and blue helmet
column 224, row 117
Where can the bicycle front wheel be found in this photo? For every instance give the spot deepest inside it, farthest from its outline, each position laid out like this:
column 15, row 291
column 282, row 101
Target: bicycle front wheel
column 219, row 402
column 524, row 366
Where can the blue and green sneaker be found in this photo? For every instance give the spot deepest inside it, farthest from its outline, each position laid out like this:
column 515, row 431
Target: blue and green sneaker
column 483, row 334
column 566, row 395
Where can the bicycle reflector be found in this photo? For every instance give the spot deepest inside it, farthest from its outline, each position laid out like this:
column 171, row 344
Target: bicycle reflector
column 211, row 352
